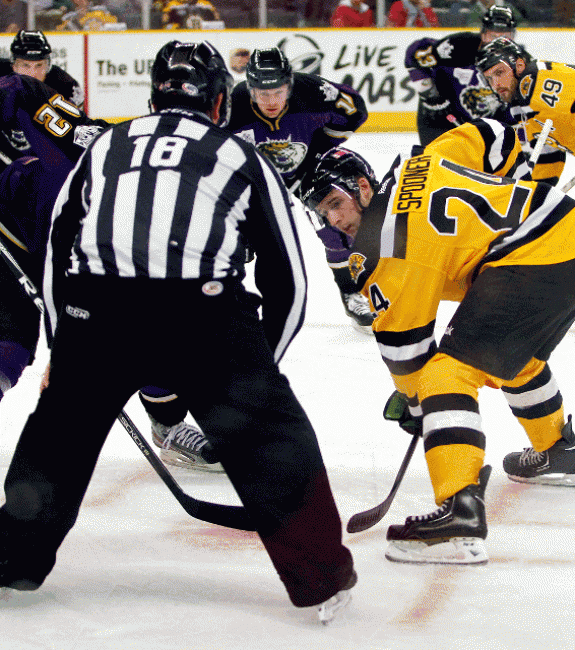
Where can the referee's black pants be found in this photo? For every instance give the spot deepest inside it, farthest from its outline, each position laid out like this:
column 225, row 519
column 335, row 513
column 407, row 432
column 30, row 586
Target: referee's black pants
column 117, row 335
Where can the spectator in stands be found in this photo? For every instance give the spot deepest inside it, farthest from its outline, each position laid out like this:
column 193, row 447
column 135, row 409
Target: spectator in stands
column 474, row 10
column 458, row 14
column 317, row 13
column 563, row 13
column 412, row 13
column 239, row 60
column 186, row 14
column 352, row 13
column 12, row 15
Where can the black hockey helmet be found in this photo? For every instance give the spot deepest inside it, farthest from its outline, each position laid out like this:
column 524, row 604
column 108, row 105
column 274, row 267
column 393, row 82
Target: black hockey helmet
column 499, row 19
column 191, row 75
column 269, row 69
column 30, row 46
column 501, row 49
column 337, row 168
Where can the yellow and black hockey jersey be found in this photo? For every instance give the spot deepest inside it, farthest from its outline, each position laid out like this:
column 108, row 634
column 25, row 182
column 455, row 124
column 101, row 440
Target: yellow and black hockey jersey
column 434, row 225
column 486, row 145
column 546, row 90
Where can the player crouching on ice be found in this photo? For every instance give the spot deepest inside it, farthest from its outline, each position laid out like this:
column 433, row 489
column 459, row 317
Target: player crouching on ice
column 434, row 230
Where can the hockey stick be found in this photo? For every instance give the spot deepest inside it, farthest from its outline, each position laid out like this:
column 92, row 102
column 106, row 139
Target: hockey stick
column 22, row 278
column 5, row 159
column 569, row 185
column 368, row 518
column 548, row 125
column 228, row 516
column 541, row 140
column 215, row 513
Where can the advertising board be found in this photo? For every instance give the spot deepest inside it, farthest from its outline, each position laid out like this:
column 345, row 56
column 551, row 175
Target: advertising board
column 114, row 67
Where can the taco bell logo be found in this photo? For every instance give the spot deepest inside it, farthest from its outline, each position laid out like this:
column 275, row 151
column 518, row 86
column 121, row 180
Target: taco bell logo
column 303, row 52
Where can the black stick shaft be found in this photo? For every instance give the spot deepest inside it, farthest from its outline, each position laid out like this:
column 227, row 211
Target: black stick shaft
column 364, row 520
column 215, row 513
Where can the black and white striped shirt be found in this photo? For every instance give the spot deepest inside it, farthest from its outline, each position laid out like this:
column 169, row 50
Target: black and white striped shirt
column 170, row 195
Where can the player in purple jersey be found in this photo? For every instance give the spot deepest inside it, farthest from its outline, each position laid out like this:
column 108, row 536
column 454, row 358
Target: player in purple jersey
column 293, row 118
column 30, row 55
column 443, row 73
column 58, row 132
column 29, row 186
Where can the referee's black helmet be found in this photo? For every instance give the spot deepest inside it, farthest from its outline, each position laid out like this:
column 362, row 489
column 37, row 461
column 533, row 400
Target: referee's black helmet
column 191, row 75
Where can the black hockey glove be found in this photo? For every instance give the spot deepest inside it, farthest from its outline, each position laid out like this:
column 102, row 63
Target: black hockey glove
column 397, row 410
column 437, row 106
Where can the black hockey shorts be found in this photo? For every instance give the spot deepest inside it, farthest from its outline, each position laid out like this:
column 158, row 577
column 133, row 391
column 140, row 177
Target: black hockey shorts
column 510, row 315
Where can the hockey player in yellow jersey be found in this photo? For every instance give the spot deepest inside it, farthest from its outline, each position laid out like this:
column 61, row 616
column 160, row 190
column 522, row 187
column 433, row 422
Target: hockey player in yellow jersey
column 535, row 91
column 434, row 230
column 485, row 145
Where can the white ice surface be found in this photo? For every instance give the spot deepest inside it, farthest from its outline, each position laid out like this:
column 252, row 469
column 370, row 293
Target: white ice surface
column 137, row 573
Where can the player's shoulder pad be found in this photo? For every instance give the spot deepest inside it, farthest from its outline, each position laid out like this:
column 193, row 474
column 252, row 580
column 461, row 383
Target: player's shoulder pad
column 311, row 91
column 36, row 88
column 240, row 90
column 459, row 49
column 5, row 67
column 241, row 107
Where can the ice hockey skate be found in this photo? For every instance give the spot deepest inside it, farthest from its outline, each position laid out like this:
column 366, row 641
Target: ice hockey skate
column 357, row 308
column 453, row 534
column 24, row 563
column 184, row 445
column 328, row 610
column 555, row 466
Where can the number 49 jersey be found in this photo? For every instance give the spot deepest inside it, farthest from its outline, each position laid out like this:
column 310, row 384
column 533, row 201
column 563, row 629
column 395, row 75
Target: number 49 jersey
column 430, row 229
column 546, row 90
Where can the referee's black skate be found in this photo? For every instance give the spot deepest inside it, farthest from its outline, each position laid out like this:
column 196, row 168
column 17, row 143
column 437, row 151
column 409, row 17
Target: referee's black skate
column 555, row 466
column 24, row 564
column 184, row 445
column 357, row 308
column 327, row 610
column 453, row 534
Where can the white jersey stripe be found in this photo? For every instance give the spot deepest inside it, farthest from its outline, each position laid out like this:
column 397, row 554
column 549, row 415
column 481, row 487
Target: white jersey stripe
column 406, row 352
column 208, row 193
column 124, row 215
column 286, row 227
column 165, row 196
column 237, row 214
column 532, row 397
column 449, row 420
column 89, row 238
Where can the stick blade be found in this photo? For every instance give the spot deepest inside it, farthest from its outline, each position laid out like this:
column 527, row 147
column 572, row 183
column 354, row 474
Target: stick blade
column 368, row 518
column 364, row 520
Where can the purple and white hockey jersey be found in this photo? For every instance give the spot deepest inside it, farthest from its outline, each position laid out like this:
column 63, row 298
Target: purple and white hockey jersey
column 319, row 115
column 450, row 63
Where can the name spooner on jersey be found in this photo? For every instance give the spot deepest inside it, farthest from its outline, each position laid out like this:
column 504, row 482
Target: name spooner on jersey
column 412, row 183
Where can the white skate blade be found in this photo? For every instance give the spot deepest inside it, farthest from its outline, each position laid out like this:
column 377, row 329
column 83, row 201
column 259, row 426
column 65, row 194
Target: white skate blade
column 5, row 594
column 327, row 611
column 171, row 457
column 563, row 480
column 457, row 550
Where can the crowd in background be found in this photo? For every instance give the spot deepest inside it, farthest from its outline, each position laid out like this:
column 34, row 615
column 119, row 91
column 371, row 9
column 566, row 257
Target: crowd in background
column 74, row 15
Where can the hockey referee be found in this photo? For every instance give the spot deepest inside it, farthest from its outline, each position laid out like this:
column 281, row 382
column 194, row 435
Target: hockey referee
column 157, row 216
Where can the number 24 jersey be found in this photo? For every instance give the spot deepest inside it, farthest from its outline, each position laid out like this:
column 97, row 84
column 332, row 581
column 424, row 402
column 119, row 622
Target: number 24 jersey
column 431, row 228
